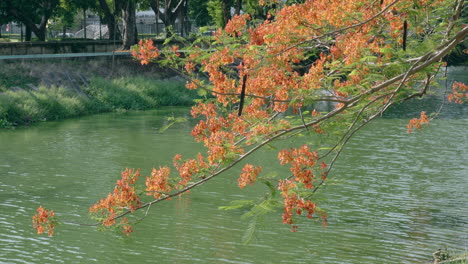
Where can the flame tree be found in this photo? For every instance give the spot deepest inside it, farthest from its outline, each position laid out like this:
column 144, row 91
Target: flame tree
column 269, row 81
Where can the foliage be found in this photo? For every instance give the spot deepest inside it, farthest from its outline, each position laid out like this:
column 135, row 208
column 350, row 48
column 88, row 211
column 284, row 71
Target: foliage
column 67, row 12
column 317, row 72
column 10, row 77
column 22, row 107
column 444, row 255
column 33, row 14
column 217, row 11
column 168, row 11
column 198, row 12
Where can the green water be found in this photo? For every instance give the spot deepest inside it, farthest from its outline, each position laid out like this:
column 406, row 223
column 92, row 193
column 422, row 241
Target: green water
column 397, row 197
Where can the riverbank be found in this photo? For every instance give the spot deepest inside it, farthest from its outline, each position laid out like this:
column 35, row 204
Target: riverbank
column 33, row 91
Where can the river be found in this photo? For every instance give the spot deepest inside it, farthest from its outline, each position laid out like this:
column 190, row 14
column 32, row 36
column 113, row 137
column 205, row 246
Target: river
column 395, row 197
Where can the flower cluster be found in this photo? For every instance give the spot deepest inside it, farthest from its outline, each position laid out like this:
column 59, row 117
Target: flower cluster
column 126, row 227
column 218, row 133
column 188, row 168
column 418, row 122
column 157, row 185
column 249, row 175
column 293, row 204
column 459, row 93
column 123, row 197
column 302, row 162
column 236, row 24
column 44, row 220
column 175, row 50
column 145, row 51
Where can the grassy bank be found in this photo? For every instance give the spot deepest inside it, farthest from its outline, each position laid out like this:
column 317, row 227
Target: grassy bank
column 22, row 107
column 41, row 90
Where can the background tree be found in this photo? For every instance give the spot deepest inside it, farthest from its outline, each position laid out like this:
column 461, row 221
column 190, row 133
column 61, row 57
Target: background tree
column 111, row 11
column 67, row 13
column 33, row 14
column 64, row 19
column 168, row 11
column 83, row 5
column 310, row 77
column 220, row 11
column 109, row 14
column 198, row 12
column 129, row 30
column 5, row 16
column 264, row 11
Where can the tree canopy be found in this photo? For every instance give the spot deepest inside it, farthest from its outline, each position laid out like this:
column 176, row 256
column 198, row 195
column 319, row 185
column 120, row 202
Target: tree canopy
column 316, row 71
column 33, row 14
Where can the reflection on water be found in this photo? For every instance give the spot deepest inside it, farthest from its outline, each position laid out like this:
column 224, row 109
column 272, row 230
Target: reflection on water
column 396, row 199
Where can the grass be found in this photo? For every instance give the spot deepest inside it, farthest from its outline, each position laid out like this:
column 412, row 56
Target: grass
column 139, row 93
column 448, row 257
column 10, row 77
column 125, row 93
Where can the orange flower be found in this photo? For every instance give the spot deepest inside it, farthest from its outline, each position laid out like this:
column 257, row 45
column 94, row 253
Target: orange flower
column 236, row 24
column 417, row 122
column 127, row 228
column 158, row 184
column 189, row 67
column 249, row 175
column 44, row 220
column 145, row 51
column 294, row 204
column 175, row 49
column 302, row 161
column 459, row 93
column 123, row 197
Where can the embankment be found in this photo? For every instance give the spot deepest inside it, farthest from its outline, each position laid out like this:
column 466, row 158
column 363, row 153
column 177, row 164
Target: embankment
column 40, row 90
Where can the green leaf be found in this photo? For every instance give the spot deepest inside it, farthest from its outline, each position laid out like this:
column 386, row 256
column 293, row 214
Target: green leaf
column 249, row 233
column 202, row 92
column 271, row 147
column 266, row 206
column 237, row 204
column 172, row 122
column 369, row 59
column 270, row 186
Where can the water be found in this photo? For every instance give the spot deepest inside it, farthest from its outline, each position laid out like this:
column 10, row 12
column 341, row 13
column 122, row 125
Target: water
column 396, row 198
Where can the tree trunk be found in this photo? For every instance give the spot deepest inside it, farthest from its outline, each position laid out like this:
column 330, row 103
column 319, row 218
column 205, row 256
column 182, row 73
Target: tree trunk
column 185, row 22
column 39, row 31
column 84, row 23
column 28, row 34
column 168, row 17
column 155, row 6
column 110, row 21
column 113, row 28
column 129, row 25
column 238, row 7
column 100, row 27
column 181, row 24
column 226, row 12
column 136, row 33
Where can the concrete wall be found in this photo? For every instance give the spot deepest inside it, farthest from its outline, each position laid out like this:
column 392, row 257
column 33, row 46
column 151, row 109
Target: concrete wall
column 57, row 47
column 54, row 47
